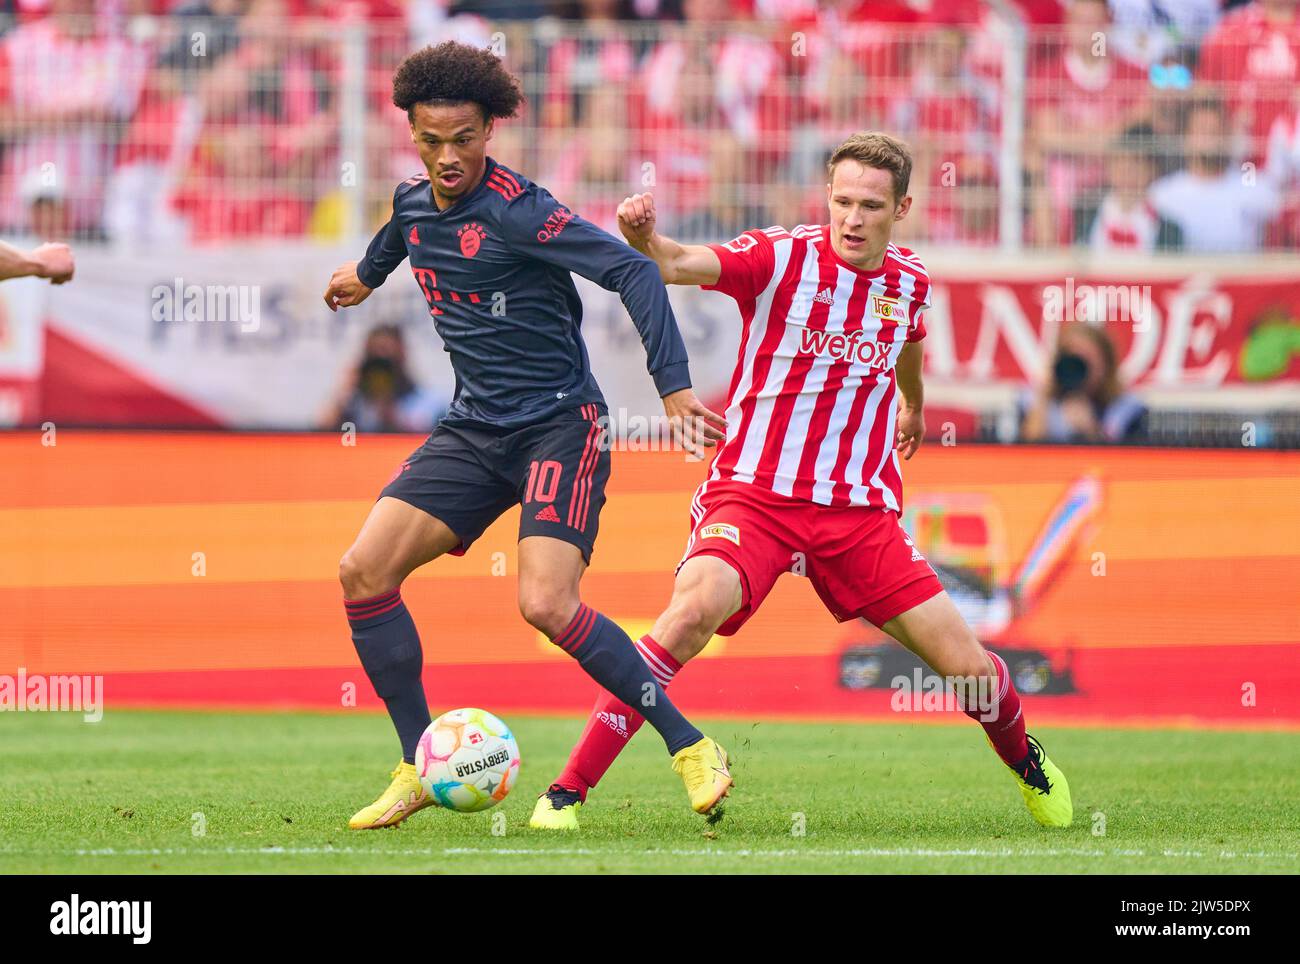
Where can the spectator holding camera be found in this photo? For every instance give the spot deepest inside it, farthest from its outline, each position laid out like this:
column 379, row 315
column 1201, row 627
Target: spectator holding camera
column 1082, row 399
column 379, row 395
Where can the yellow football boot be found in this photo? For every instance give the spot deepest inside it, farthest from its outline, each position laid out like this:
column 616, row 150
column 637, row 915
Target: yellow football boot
column 1043, row 785
column 706, row 771
column 403, row 797
column 557, row 809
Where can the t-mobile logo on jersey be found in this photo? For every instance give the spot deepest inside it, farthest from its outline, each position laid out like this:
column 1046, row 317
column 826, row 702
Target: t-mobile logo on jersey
column 847, row 348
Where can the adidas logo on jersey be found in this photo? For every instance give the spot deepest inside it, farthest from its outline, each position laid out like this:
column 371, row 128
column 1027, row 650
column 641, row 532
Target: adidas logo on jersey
column 548, row 514
column 825, row 297
column 615, row 721
column 414, row 238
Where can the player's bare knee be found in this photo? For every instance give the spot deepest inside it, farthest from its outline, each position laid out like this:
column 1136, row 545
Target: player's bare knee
column 966, row 661
column 546, row 611
column 349, row 573
column 361, row 580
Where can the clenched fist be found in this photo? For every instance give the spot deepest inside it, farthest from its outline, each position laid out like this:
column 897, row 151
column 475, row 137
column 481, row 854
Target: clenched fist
column 56, row 262
column 636, row 218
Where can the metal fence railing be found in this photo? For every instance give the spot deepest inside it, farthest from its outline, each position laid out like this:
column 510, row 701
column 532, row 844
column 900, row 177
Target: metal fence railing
column 165, row 130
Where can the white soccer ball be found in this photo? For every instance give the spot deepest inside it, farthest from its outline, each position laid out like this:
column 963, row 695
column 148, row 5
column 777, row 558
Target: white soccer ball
column 467, row 760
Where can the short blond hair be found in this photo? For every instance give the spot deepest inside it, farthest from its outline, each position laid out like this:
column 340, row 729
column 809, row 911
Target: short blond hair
column 874, row 149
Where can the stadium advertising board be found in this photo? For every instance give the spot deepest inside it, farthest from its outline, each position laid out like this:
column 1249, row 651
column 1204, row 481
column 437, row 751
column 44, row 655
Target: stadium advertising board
column 1156, row 585
column 128, row 345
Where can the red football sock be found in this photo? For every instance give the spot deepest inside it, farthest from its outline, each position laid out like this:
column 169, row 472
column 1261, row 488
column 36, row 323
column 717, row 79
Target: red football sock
column 612, row 724
column 1006, row 729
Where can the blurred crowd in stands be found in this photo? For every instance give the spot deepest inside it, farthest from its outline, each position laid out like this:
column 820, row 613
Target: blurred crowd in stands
column 1145, row 124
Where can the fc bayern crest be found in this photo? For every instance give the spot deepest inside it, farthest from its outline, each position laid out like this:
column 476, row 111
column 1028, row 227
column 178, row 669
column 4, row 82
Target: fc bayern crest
column 471, row 238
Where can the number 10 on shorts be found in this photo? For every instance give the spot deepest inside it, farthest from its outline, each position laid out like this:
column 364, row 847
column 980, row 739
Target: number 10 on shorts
column 543, row 481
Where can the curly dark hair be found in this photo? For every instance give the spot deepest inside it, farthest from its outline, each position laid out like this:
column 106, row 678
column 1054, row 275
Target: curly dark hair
column 453, row 73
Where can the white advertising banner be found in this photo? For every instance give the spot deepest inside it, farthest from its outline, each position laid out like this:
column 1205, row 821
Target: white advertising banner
column 244, row 334
column 241, row 336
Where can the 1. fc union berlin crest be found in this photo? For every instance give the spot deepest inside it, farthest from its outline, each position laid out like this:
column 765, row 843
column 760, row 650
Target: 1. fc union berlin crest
column 471, row 238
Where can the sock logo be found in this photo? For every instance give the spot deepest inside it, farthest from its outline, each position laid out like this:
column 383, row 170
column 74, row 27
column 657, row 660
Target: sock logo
column 720, row 530
column 615, row 721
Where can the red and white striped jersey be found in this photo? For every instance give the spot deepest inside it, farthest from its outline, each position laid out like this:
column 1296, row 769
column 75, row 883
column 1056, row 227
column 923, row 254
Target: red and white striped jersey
column 812, row 403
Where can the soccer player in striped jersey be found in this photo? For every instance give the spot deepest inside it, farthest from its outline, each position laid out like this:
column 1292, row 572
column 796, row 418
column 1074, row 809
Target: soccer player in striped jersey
column 825, row 396
column 492, row 253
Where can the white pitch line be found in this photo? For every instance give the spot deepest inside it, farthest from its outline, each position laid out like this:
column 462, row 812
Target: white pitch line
column 649, row 852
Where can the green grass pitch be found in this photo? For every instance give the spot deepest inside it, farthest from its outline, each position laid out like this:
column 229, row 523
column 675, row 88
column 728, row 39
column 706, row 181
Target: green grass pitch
column 174, row 792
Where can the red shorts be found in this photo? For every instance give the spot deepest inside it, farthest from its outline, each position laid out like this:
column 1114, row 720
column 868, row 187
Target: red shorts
column 859, row 559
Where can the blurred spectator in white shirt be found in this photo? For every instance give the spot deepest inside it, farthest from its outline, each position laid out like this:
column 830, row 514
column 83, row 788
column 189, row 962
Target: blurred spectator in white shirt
column 1218, row 205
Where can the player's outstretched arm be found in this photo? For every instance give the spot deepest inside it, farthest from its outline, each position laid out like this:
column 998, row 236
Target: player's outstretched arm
column 679, row 264
column 53, row 261
column 539, row 226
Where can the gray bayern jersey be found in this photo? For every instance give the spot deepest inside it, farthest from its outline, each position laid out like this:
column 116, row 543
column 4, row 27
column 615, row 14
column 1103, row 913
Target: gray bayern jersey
column 495, row 271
